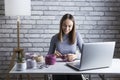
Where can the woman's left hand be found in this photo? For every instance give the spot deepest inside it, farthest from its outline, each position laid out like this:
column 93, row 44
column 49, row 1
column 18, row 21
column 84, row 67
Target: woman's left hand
column 71, row 57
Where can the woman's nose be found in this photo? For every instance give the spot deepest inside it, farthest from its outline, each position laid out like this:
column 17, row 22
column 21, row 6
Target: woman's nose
column 67, row 28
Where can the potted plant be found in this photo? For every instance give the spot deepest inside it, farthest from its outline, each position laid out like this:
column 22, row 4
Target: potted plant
column 21, row 63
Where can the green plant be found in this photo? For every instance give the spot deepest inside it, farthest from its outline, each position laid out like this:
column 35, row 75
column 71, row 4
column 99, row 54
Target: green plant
column 20, row 57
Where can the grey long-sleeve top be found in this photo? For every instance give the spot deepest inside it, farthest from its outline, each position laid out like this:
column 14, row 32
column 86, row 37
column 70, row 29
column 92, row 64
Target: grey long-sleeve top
column 64, row 47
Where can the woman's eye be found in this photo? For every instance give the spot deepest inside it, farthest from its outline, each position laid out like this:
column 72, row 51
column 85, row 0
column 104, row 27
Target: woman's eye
column 65, row 26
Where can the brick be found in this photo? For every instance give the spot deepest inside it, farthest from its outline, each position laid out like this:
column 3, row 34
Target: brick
column 83, row 31
column 96, row 40
column 90, row 22
column 9, row 44
column 9, row 26
column 46, row 35
column 64, row 12
column 96, row 31
column 105, row 22
column 35, row 8
column 6, row 31
column 107, row 36
column 53, row 26
column 47, row 17
column 28, row 22
column 40, row 44
column 112, row 31
column 51, row 12
column 2, row 21
column 6, row 49
column 32, row 35
column 46, row 49
column 85, row 27
column 31, row 17
column 3, row 17
column 35, row 49
column 92, row 36
column 66, row 3
column 35, row 3
column 51, row 3
column 82, row 13
column 36, row 31
column 15, row 35
column 111, row 13
column 41, row 26
column 113, row 4
column 36, row 13
column 101, row 8
column 93, row 18
column 97, row 4
column 58, row 8
column 44, row 21
column 36, row 40
column 82, row 4
column 116, row 23
column 86, row 8
column 79, row 22
column 4, row 35
column 25, row 26
column 108, row 18
column 51, row 31
column 26, row 44
column 102, row 27
column 47, row 40
column 80, row 18
column 55, row 22
column 11, row 22
column 95, row 13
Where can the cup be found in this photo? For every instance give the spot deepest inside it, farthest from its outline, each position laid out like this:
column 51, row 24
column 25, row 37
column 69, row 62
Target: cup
column 50, row 59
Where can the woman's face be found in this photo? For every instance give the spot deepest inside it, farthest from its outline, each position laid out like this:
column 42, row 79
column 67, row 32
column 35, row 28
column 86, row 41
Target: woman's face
column 67, row 26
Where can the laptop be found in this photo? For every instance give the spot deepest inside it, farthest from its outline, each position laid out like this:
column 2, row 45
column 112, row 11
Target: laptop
column 94, row 56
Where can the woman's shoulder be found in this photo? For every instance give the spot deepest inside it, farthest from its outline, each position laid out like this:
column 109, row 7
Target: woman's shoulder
column 78, row 34
column 55, row 37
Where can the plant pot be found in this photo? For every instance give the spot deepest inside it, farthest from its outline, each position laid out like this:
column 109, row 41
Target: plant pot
column 21, row 66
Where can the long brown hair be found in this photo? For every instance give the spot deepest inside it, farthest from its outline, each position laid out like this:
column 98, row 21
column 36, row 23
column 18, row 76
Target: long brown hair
column 71, row 35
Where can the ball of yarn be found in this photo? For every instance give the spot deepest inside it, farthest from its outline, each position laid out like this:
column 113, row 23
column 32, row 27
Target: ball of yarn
column 50, row 59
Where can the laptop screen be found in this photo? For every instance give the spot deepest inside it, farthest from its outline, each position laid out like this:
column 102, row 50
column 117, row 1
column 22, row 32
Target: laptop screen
column 97, row 55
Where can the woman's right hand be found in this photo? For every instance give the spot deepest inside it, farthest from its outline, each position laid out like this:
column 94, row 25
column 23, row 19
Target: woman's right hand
column 58, row 54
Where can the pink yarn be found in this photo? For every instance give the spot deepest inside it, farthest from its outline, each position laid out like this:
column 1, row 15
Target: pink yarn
column 50, row 59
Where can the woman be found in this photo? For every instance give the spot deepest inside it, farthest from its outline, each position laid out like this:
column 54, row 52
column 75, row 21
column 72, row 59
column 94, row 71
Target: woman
column 65, row 44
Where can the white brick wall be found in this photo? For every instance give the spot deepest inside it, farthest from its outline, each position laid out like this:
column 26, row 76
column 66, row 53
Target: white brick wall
column 96, row 20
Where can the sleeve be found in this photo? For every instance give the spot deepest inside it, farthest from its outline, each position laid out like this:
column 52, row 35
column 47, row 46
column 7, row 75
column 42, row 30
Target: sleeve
column 79, row 41
column 52, row 46
column 79, row 44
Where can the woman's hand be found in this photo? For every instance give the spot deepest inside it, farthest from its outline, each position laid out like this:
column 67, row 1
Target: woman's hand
column 58, row 54
column 66, row 57
column 71, row 57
